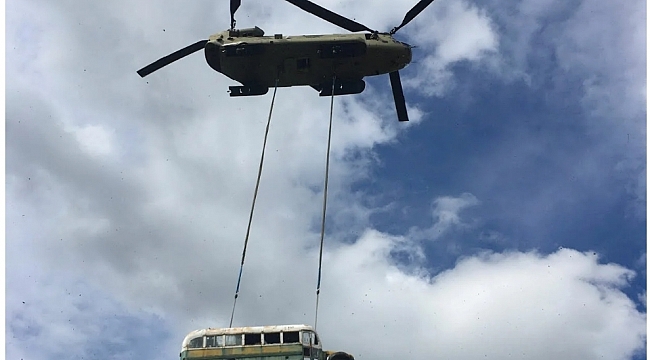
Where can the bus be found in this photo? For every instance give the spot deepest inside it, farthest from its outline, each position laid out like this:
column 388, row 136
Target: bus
column 283, row 342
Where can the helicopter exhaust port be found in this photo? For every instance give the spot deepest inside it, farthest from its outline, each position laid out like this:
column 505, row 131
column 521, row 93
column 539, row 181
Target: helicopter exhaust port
column 251, row 90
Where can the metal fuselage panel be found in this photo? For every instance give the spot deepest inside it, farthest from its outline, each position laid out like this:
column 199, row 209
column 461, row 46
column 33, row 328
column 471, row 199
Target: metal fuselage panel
column 304, row 60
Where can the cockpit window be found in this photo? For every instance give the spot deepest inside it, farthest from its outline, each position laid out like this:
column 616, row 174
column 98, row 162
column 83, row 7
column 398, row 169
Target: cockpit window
column 196, row 343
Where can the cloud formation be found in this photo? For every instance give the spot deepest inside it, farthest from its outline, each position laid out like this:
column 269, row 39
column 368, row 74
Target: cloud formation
column 446, row 216
column 456, row 32
column 493, row 305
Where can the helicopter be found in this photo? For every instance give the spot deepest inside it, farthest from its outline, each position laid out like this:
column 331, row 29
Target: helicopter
column 331, row 64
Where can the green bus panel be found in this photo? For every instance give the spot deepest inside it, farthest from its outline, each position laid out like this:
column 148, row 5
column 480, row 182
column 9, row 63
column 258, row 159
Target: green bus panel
column 286, row 357
column 267, row 352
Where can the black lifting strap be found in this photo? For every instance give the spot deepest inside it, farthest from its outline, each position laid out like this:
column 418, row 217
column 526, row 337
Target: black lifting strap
column 250, row 218
column 322, row 228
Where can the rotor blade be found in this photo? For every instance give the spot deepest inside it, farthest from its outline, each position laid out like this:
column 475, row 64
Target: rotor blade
column 171, row 58
column 415, row 11
column 234, row 5
column 398, row 95
column 327, row 15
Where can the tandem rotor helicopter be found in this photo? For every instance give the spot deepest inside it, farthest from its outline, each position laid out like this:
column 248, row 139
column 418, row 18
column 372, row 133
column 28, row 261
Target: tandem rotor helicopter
column 328, row 63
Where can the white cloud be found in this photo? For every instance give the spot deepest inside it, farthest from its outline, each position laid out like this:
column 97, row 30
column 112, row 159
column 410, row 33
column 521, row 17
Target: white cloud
column 456, row 31
column 596, row 26
column 565, row 305
column 643, row 297
column 446, row 215
column 495, row 306
column 94, row 139
column 599, row 43
column 605, row 44
column 594, row 52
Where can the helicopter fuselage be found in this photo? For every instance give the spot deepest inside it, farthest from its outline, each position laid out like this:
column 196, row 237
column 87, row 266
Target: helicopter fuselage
column 257, row 61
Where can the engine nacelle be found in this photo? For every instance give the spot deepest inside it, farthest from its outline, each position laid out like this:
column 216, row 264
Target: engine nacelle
column 248, row 32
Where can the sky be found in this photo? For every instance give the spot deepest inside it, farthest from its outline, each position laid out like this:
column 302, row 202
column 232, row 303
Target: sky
column 507, row 219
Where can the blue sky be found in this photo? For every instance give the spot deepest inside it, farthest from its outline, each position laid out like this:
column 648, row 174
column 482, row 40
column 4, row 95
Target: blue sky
column 508, row 218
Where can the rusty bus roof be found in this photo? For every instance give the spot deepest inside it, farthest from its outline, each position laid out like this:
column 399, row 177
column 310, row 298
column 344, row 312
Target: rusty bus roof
column 244, row 330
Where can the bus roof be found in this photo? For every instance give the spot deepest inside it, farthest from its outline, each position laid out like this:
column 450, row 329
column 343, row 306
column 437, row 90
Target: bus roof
column 244, row 330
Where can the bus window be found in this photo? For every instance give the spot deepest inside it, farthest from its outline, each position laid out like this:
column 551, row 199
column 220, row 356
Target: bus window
column 315, row 339
column 306, row 339
column 312, row 353
column 233, row 340
column 214, row 341
column 272, row 338
column 253, row 339
column 291, row 337
column 196, row 343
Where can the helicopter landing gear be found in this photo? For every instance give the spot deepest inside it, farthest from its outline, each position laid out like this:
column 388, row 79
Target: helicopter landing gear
column 251, row 90
column 344, row 87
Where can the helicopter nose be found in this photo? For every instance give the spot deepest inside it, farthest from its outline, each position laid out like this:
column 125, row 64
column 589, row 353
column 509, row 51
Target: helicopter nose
column 404, row 54
column 409, row 53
